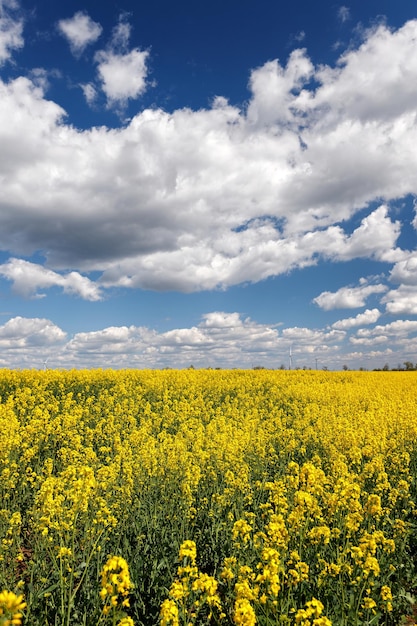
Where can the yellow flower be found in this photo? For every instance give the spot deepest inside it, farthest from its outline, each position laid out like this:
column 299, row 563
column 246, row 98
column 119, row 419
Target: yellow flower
column 368, row 603
column 386, row 593
column 244, row 614
column 373, row 505
column 11, row 607
column 386, row 597
column 126, row 621
column 313, row 609
column 115, row 581
column 64, row 552
column 169, row 613
column 188, row 550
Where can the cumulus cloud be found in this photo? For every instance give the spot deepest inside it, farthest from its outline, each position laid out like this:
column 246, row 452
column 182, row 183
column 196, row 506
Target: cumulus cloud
column 20, row 333
column 11, row 29
column 80, row 31
column 401, row 301
column 348, row 297
column 122, row 76
column 307, row 340
column 193, row 200
column 28, row 278
column 122, row 72
column 405, row 271
column 399, row 331
column 370, row 316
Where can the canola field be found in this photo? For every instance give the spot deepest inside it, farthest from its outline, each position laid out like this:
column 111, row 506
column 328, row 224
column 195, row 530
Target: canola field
column 199, row 497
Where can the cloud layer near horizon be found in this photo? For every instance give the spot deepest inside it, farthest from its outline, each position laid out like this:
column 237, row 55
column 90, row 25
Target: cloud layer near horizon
column 194, row 200
column 220, row 340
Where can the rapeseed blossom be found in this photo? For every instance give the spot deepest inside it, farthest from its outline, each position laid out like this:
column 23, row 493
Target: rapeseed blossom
column 233, row 495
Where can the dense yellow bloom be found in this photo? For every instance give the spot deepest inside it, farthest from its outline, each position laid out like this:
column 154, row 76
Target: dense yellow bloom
column 295, row 484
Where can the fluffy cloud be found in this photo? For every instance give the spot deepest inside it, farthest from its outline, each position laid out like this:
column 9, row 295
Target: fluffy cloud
column 398, row 333
column 122, row 76
column 193, row 200
column 11, row 28
column 405, row 271
column 348, row 297
column 401, row 301
column 21, row 333
column 29, row 277
column 80, row 31
column 370, row 316
column 122, row 72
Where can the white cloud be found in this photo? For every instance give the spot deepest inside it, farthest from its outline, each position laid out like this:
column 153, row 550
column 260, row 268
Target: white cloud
column 308, row 341
column 399, row 328
column 274, row 89
column 348, row 297
column 29, row 277
column 371, row 84
column 122, row 73
column 122, row 76
column 220, row 339
column 11, row 29
column 80, row 31
column 400, row 335
column 373, row 341
column 405, row 271
column 21, row 333
column 401, row 301
column 193, row 200
column 370, row 316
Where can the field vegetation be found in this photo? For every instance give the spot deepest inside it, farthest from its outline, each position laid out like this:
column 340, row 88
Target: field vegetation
column 207, row 497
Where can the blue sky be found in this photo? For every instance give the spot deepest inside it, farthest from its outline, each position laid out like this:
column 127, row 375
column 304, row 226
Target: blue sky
column 218, row 184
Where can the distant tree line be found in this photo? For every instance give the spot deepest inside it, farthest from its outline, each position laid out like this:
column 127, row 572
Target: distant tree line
column 407, row 366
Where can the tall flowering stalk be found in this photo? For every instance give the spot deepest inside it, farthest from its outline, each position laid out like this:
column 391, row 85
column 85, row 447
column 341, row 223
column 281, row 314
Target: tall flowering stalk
column 115, row 589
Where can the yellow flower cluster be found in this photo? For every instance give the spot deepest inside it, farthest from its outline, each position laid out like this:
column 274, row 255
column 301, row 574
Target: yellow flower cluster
column 115, row 581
